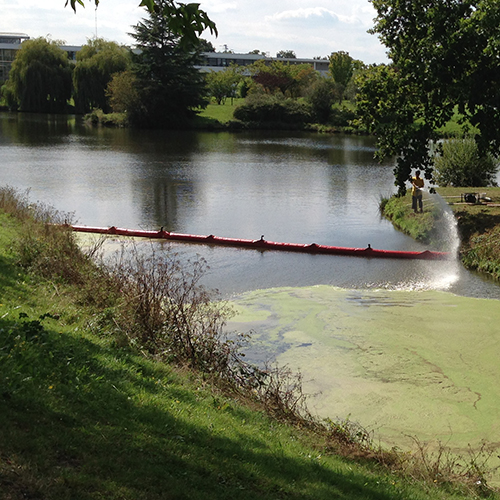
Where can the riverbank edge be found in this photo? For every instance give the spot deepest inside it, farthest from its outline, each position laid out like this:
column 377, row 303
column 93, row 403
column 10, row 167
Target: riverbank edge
column 478, row 224
column 76, row 410
column 207, row 123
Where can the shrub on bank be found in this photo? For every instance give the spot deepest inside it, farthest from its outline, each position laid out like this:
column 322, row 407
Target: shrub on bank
column 460, row 163
column 98, row 117
column 272, row 109
column 483, row 253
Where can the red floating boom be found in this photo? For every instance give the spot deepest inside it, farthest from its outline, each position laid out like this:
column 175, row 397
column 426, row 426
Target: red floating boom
column 263, row 244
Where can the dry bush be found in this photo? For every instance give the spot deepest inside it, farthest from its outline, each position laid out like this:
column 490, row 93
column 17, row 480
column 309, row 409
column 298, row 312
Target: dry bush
column 279, row 390
column 167, row 312
column 47, row 248
column 440, row 465
column 15, row 202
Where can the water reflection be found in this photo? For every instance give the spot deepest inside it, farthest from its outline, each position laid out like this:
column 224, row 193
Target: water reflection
column 296, row 187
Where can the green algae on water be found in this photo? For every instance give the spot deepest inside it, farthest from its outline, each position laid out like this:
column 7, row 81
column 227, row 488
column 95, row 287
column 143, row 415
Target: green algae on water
column 401, row 363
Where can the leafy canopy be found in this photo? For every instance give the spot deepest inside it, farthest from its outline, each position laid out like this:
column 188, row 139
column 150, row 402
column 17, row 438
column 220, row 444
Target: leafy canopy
column 321, row 95
column 40, row 78
column 187, row 21
column 390, row 108
column 96, row 62
column 445, row 56
column 341, row 68
column 280, row 76
column 169, row 87
column 460, row 163
column 223, row 84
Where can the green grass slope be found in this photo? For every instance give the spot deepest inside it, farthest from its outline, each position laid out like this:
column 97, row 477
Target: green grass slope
column 83, row 417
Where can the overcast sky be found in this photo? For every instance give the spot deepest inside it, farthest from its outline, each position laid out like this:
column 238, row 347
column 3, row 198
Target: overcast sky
column 310, row 28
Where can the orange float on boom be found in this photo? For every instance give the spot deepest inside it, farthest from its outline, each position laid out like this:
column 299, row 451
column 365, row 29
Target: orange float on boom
column 262, row 244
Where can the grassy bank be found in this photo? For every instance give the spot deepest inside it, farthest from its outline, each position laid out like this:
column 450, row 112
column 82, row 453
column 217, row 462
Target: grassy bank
column 88, row 411
column 478, row 224
column 220, row 117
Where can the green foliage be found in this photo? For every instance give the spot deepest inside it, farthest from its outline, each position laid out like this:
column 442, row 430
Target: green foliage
column 483, row 253
column 341, row 68
column 122, row 92
column 460, row 163
column 389, row 108
column 244, row 87
column 166, row 311
column 97, row 117
column 351, row 90
column 223, row 84
column 321, row 95
column 446, row 57
column 268, row 109
column 342, row 116
column 40, row 78
column 186, row 21
column 96, row 63
column 170, row 89
column 206, row 46
column 290, row 80
column 286, row 54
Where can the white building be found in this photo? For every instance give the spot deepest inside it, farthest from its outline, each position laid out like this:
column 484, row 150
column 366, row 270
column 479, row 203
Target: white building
column 10, row 43
column 218, row 61
column 213, row 61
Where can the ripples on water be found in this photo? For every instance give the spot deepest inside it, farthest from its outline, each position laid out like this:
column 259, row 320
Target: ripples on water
column 291, row 187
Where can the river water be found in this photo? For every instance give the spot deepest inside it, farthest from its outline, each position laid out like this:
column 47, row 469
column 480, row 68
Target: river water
column 404, row 347
column 299, row 188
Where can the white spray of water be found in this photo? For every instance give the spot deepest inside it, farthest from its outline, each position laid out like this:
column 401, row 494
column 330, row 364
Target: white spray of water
column 442, row 274
column 448, row 273
column 448, row 227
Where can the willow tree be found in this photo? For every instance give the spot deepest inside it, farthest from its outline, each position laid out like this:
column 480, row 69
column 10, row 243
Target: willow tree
column 40, row 78
column 96, row 63
column 445, row 57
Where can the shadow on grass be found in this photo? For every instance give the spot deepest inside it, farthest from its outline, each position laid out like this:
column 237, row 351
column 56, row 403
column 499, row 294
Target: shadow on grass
column 82, row 420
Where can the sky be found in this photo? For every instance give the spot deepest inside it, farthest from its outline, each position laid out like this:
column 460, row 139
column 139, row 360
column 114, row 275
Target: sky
column 311, row 28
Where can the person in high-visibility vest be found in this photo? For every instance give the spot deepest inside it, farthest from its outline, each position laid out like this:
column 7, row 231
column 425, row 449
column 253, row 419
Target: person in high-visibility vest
column 416, row 192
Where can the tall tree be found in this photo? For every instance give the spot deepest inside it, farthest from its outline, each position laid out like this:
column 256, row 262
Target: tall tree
column 223, row 84
column 341, row 68
column 445, row 53
column 286, row 54
column 169, row 87
column 40, row 78
column 321, row 95
column 389, row 107
column 206, row 46
column 280, row 76
column 95, row 64
column 186, row 21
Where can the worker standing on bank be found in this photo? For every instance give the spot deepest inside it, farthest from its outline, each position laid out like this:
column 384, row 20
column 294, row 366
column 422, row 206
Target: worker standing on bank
column 416, row 192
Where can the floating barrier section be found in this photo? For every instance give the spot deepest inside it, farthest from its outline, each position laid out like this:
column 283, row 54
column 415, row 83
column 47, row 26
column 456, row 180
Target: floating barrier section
column 262, row 244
